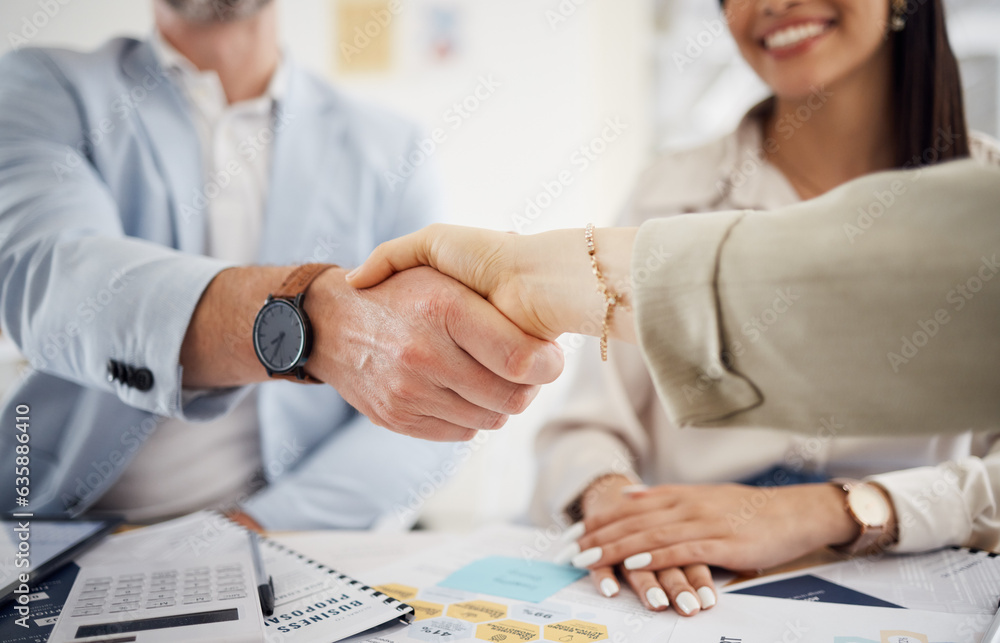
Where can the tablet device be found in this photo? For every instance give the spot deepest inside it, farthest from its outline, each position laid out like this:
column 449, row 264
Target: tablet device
column 46, row 543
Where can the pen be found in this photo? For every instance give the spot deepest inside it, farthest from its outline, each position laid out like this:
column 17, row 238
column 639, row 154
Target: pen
column 265, row 584
column 993, row 631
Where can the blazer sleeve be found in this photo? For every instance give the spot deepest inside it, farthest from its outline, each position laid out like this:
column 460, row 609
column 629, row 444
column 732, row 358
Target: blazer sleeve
column 872, row 309
column 75, row 291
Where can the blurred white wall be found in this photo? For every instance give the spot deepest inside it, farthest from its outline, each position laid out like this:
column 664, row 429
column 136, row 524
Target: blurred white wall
column 564, row 67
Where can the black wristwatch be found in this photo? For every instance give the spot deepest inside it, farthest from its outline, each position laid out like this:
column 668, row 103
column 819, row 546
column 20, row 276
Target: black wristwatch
column 282, row 334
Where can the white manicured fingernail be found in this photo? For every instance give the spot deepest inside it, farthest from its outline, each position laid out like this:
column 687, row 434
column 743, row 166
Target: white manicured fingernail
column 657, row 597
column 686, row 602
column 573, row 532
column 567, row 554
column 707, row 597
column 587, row 557
column 639, row 560
column 633, row 488
column 609, row 587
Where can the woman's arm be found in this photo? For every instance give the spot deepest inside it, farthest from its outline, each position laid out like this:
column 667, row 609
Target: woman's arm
column 872, row 309
column 954, row 503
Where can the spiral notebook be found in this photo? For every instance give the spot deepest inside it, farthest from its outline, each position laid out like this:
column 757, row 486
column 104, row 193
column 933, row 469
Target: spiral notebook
column 314, row 602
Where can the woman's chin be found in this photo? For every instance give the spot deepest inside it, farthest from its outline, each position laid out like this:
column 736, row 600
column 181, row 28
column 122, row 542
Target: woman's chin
column 798, row 88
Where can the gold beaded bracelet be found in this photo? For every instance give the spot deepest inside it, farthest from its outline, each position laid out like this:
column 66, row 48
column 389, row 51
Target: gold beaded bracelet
column 612, row 300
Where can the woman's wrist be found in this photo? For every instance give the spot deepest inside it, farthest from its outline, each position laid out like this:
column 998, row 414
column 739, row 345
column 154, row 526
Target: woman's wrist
column 836, row 523
column 559, row 281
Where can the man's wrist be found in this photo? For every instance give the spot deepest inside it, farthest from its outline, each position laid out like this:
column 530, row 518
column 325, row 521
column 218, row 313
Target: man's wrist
column 217, row 351
column 325, row 297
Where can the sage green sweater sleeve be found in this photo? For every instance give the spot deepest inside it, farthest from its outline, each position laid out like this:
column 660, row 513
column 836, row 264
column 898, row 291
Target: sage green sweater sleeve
column 874, row 309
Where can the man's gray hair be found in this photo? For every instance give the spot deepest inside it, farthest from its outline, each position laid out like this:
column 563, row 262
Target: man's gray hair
column 216, row 10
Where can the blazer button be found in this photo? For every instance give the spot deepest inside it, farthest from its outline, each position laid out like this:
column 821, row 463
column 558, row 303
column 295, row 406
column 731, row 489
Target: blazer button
column 116, row 371
column 142, row 379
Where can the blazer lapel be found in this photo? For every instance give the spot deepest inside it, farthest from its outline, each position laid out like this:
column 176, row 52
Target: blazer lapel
column 163, row 114
column 306, row 131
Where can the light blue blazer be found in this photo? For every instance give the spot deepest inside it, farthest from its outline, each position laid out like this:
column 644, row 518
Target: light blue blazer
column 101, row 258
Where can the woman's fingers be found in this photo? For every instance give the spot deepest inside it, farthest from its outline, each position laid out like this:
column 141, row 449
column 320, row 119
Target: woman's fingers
column 632, row 504
column 647, row 587
column 394, row 256
column 679, row 590
column 640, row 549
column 700, row 578
column 691, row 552
column 477, row 258
column 605, row 581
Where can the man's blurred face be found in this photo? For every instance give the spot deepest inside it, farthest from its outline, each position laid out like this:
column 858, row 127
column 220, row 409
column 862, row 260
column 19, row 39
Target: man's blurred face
column 216, row 10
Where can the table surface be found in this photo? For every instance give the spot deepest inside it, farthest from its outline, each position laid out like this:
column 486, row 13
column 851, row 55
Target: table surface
column 357, row 552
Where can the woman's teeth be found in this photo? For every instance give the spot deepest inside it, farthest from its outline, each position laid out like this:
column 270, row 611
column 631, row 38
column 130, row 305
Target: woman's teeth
column 794, row 35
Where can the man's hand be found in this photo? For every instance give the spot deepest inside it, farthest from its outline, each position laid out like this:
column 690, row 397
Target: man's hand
column 420, row 354
column 423, row 355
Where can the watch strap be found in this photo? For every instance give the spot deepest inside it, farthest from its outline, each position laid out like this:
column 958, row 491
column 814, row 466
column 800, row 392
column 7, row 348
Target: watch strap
column 869, row 534
column 299, row 280
column 297, row 283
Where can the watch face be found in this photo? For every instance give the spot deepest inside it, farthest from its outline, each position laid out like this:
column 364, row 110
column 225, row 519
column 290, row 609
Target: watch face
column 869, row 505
column 279, row 336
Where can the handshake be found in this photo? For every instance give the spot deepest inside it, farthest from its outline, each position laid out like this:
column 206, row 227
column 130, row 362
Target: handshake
column 449, row 330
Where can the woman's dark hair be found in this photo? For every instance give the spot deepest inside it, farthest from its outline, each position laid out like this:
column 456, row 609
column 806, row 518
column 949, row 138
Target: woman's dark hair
column 927, row 89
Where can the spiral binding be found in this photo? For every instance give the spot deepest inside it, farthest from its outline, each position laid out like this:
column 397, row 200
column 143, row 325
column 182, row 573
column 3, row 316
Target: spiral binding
column 406, row 611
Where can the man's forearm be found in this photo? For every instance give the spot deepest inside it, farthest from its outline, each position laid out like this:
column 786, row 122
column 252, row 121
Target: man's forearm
column 218, row 347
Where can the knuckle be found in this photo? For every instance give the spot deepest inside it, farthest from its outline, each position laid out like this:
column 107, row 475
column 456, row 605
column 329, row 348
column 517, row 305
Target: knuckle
column 401, row 391
column 665, row 535
column 413, row 356
column 519, row 399
column 519, row 362
column 398, row 419
column 495, row 421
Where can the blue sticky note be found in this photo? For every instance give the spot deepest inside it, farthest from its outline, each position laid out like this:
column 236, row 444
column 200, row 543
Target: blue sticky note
column 516, row 578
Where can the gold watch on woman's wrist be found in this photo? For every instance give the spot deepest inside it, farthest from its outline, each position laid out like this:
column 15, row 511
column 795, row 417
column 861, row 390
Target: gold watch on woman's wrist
column 872, row 510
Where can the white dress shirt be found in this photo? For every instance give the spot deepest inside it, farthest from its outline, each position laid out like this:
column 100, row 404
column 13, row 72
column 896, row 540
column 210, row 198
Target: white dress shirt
column 186, row 466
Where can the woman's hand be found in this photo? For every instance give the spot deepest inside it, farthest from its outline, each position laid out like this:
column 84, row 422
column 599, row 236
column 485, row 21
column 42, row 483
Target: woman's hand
column 542, row 282
column 656, row 588
column 732, row 526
